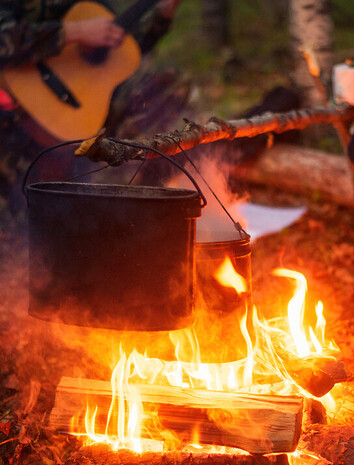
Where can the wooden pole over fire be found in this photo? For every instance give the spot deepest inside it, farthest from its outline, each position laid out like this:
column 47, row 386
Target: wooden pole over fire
column 113, row 152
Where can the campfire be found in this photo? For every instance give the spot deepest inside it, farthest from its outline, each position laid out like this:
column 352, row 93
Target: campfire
column 255, row 403
column 173, row 397
column 234, row 385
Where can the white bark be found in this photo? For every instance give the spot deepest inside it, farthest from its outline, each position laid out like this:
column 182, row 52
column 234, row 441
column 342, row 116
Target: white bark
column 311, row 26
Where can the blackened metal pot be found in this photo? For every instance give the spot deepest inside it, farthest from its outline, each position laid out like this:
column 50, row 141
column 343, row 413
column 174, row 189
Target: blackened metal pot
column 210, row 256
column 110, row 256
column 224, row 306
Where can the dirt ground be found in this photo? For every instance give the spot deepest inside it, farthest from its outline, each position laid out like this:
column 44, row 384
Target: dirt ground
column 320, row 245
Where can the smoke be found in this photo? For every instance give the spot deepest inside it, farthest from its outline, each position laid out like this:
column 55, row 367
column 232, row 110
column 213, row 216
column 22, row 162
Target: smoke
column 214, row 224
column 218, row 310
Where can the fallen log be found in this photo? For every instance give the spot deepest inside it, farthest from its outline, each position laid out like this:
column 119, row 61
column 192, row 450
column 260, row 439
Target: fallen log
column 258, row 424
column 301, row 171
column 114, row 153
column 101, row 455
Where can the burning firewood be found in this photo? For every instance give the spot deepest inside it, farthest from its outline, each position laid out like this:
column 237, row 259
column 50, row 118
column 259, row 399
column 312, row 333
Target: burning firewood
column 258, row 424
column 314, row 412
column 317, row 375
column 335, row 443
column 335, row 368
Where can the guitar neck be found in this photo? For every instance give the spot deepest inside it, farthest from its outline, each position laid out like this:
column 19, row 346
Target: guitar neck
column 130, row 16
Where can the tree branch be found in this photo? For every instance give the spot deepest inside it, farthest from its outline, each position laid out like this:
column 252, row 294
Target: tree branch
column 193, row 134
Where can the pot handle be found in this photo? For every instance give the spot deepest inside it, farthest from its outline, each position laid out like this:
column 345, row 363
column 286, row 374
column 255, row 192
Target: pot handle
column 41, row 153
column 137, row 145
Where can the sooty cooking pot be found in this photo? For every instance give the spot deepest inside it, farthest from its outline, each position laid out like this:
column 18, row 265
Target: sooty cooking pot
column 210, row 255
column 111, row 256
column 224, row 306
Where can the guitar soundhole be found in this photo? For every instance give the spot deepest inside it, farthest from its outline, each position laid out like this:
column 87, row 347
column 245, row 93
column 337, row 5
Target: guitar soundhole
column 95, row 56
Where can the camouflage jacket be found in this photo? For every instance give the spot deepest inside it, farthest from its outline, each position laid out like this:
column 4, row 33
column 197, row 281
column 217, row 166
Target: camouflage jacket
column 31, row 30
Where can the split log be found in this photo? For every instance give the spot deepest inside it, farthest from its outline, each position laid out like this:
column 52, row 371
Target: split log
column 334, row 443
column 114, row 153
column 255, row 423
column 100, row 455
column 301, row 171
column 316, row 374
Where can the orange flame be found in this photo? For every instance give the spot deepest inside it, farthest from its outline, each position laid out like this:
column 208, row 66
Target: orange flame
column 321, row 323
column 228, row 276
column 247, row 376
column 296, row 308
column 260, row 371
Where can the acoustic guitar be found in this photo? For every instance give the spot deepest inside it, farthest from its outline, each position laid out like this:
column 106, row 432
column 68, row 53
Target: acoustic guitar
column 69, row 95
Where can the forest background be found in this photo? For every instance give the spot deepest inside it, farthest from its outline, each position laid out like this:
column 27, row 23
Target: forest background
column 231, row 72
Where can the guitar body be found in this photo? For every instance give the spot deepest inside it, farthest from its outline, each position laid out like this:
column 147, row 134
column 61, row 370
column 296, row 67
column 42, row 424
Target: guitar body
column 92, row 85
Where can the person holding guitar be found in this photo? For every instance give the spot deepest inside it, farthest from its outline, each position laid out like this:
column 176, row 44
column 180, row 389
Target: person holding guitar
column 45, row 44
column 32, row 30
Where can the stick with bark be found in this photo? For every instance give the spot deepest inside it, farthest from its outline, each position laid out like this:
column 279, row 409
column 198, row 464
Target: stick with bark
column 114, row 153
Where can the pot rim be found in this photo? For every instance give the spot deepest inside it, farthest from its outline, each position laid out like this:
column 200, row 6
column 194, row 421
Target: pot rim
column 169, row 192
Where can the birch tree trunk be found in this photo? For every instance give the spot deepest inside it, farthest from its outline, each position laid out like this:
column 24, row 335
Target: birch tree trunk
column 311, row 26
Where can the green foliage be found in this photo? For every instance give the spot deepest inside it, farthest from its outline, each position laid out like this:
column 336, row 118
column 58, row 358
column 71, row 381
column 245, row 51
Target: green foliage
column 343, row 13
column 258, row 50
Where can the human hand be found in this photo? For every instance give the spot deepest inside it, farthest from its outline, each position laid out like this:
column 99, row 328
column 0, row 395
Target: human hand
column 96, row 32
